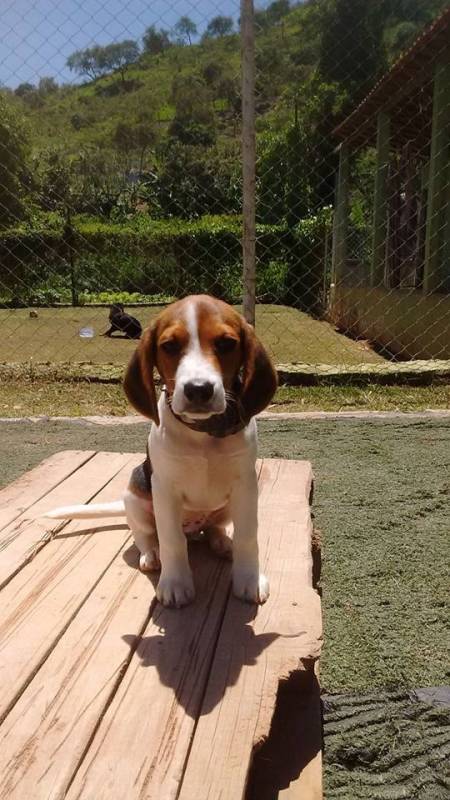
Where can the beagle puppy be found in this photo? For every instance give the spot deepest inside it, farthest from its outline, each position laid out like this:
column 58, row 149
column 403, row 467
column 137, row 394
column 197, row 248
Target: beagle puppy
column 199, row 473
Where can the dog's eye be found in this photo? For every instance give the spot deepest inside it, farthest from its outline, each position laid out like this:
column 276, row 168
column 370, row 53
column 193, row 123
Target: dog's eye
column 171, row 346
column 225, row 344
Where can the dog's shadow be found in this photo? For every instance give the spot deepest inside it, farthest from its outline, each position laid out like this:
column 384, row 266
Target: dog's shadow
column 184, row 645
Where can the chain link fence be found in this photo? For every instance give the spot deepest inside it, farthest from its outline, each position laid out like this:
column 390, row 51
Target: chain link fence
column 121, row 164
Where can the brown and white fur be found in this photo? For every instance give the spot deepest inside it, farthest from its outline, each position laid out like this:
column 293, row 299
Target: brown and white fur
column 199, row 346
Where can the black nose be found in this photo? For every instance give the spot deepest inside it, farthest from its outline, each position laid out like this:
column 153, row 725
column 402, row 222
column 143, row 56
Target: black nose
column 198, row 392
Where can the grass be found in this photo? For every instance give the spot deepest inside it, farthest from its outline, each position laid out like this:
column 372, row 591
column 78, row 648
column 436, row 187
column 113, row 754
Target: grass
column 51, row 366
column 35, row 397
column 290, row 335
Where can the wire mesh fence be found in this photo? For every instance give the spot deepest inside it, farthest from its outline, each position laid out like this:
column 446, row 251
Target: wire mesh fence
column 121, row 131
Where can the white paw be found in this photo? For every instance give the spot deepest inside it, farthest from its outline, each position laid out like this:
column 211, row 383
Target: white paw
column 149, row 561
column 175, row 590
column 253, row 587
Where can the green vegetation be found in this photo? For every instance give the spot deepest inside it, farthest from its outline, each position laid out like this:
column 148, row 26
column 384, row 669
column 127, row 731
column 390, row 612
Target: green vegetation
column 154, row 257
column 153, row 138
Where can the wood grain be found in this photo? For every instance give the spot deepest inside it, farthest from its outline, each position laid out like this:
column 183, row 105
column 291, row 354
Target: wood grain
column 143, row 740
column 39, row 603
column 257, row 648
column 44, row 737
column 22, row 539
column 105, row 694
column 16, row 498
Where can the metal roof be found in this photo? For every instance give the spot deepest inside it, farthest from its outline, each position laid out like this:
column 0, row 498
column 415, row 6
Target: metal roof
column 405, row 92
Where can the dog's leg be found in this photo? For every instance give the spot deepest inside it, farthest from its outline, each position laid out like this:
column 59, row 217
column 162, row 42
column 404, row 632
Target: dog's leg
column 248, row 583
column 175, row 587
column 141, row 522
column 219, row 542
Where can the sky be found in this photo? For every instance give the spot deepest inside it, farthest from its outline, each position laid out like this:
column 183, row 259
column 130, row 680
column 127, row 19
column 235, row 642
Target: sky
column 37, row 36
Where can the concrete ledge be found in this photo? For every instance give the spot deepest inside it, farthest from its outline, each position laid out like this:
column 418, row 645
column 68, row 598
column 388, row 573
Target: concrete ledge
column 265, row 416
column 423, row 371
column 419, row 372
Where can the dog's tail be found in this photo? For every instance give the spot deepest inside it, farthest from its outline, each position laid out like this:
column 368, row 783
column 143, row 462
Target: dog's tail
column 93, row 510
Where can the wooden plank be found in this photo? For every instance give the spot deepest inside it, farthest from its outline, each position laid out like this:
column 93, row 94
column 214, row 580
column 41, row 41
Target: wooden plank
column 39, row 603
column 143, row 740
column 153, row 715
column 259, row 648
column 379, row 232
column 289, row 763
column 45, row 735
column 22, row 539
column 169, row 671
column 16, row 498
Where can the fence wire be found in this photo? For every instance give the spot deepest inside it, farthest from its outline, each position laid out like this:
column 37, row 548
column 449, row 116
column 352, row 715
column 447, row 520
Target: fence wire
column 121, row 174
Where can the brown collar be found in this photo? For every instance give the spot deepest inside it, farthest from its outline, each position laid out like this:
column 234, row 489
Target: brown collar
column 231, row 421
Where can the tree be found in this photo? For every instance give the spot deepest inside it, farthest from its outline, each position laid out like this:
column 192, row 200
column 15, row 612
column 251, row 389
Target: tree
column 96, row 61
column 189, row 184
column 24, row 89
column 89, row 62
column 219, row 26
column 155, row 41
column 186, row 29
column 277, row 10
column 47, row 86
column 13, row 164
column 352, row 52
column 136, row 137
column 211, row 72
column 193, row 122
column 119, row 55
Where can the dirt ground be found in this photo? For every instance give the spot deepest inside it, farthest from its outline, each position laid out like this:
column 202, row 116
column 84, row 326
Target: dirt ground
column 381, row 502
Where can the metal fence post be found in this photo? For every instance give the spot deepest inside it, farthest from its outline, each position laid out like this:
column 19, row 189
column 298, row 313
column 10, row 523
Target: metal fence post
column 248, row 159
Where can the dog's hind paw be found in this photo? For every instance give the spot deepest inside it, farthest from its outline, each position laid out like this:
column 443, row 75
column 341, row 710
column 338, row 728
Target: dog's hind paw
column 220, row 543
column 149, row 561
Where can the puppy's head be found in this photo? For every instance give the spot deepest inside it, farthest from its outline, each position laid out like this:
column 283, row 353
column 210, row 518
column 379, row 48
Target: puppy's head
column 200, row 346
column 115, row 310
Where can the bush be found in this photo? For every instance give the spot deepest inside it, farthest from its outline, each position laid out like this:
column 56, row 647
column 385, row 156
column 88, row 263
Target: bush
column 127, row 298
column 167, row 258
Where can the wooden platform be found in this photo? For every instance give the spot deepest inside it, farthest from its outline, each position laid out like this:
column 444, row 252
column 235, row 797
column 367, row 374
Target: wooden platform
column 105, row 694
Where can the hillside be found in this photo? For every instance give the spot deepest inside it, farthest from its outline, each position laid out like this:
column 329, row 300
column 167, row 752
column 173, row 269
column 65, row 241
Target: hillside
column 92, row 171
column 288, row 51
column 89, row 114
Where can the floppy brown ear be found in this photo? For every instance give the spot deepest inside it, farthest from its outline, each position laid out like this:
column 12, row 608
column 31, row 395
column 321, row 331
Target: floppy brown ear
column 139, row 382
column 260, row 378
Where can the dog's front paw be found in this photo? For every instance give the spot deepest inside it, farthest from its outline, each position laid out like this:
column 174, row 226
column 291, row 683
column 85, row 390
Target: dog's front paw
column 175, row 590
column 253, row 587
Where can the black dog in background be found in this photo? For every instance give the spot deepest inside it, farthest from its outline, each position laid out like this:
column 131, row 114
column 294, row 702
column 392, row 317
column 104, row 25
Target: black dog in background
column 120, row 321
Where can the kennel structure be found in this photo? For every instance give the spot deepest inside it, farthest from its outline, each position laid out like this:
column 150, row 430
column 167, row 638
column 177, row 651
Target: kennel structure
column 398, row 294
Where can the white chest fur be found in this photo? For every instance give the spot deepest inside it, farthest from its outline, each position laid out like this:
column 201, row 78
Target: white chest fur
column 201, row 469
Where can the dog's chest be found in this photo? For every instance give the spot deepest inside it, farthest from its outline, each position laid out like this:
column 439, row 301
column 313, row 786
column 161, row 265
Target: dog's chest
column 206, row 482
